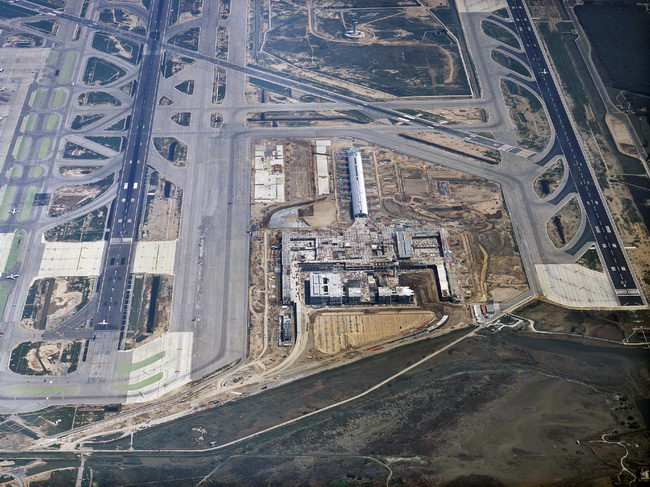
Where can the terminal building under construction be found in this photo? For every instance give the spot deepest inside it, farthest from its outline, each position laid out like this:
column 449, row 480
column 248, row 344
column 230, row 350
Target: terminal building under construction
column 361, row 265
column 357, row 184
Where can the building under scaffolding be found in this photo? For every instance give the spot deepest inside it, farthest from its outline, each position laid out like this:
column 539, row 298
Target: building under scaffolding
column 348, row 267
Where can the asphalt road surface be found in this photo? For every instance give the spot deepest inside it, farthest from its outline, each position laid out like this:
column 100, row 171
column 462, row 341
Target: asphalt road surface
column 113, row 287
column 611, row 248
column 283, row 81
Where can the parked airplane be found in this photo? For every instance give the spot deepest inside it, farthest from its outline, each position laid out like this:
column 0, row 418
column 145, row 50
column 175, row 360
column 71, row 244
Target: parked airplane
column 13, row 211
column 13, row 277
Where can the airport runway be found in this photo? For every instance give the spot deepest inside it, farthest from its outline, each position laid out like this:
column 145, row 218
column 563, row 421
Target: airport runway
column 604, row 231
column 113, row 287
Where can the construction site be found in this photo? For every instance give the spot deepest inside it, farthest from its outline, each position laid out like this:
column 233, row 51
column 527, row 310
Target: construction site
column 355, row 246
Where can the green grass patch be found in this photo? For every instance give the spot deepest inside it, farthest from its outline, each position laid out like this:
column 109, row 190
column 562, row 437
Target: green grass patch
column 51, row 122
column 128, row 368
column 114, row 143
column 28, row 203
column 7, row 200
column 29, row 122
column 8, row 11
column 15, row 172
column 96, row 98
column 21, row 151
column 68, row 65
column 52, row 59
column 4, row 294
column 188, row 39
column 36, row 171
column 283, row 90
column 59, row 98
column 143, row 383
column 37, row 98
column 86, row 228
column 44, row 147
column 45, row 26
column 12, row 259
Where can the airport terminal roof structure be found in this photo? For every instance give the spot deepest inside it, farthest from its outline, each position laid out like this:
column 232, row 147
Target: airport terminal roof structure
column 357, row 184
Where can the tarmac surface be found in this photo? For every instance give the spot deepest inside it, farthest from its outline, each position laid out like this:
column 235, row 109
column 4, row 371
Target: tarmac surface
column 604, row 232
column 211, row 273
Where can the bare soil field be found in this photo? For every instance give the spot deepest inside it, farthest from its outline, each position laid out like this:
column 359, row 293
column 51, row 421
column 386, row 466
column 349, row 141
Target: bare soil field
column 312, row 41
column 451, row 115
column 471, row 208
column 305, row 119
column 528, row 116
column 299, row 171
column 547, row 182
column 77, row 171
column 337, row 331
column 50, row 301
column 150, row 309
column 67, row 198
column 162, row 215
column 46, row 358
column 564, row 224
column 458, row 145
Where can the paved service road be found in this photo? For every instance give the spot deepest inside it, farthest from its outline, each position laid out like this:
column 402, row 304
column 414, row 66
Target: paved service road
column 604, row 231
column 113, row 287
column 284, row 81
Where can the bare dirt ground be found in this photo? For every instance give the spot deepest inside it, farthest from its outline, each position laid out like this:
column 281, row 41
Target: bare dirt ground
column 452, row 115
column 320, row 214
column 565, row 223
column 48, row 357
column 550, row 179
column 456, row 144
column 69, row 197
column 309, row 41
column 77, row 171
column 299, row 169
column 621, row 136
column 54, row 357
column 163, row 211
column 471, row 208
column 51, row 301
column 532, row 128
column 337, row 331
